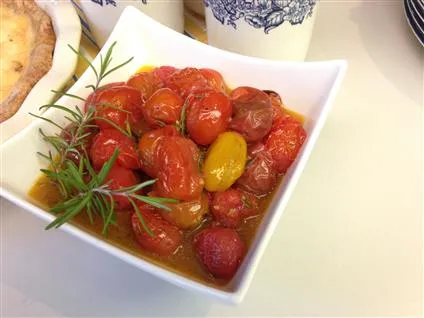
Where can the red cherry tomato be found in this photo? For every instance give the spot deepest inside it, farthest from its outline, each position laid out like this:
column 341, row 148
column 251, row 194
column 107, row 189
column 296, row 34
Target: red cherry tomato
column 147, row 146
column 284, row 142
column 260, row 176
column 250, row 205
column 120, row 177
column 208, row 115
column 226, row 208
column 120, row 105
column 178, row 174
column 90, row 99
column 146, row 82
column 184, row 81
column 167, row 237
column 214, row 79
column 219, row 250
column 87, row 142
column 252, row 115
column 245, row 90
column 277, row 105
column 164, row 72
column 163, row 106
column 105, row 143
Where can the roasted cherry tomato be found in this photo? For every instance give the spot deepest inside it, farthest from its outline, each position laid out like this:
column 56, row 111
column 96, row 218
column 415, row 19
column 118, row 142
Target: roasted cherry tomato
column 252, row 115
column 90, row 99
column 225, row 161
column 147, row 146
column 104, row 145
column 244, row 90
column 189, row 214
column 164, row 72
column 146, row 82
column 220, row 251
column 178, row 169
column 284, row 142
column 120, row 177
column 167, row 238
column 163, row 107
column 260, row 176
column 208, row 114
column 214, row 79
column 250, row 205
column 277, row 105
column 186, row 81
column 85, row 147
column 120, row 105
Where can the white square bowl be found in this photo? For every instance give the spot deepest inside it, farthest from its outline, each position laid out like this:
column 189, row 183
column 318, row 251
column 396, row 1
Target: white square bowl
column 308, row 88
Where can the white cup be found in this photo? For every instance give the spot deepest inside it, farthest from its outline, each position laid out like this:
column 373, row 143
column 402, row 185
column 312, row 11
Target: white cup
column 271, row 29
column 102, row 15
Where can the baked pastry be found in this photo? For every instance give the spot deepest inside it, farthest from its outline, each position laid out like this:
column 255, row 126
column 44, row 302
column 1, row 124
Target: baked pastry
column 27, row 41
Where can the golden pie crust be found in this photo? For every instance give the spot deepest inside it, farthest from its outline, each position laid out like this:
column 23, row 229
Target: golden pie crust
column 26, row 52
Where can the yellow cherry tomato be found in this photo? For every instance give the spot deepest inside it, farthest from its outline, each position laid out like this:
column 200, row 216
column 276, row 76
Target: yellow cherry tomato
column 225, row 161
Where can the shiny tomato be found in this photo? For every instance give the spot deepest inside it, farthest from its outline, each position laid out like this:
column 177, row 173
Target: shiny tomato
column 178, row 171
column 219, row 250
column 120, row 177
column 146, row 82
column 167, row 238
column 147, row 146
column 260, row 175
column 189, row 214
column 186, row 80
column 164, row 72
column 208, row 114
column 90, row 99
column 284, row 142
column 277, row 105
column 85, row 145
column 252, row 115
column 250, row 205
column 214, row 79
column 164, row 106
column 120, row 105
column 245, row 90
column 105, row 143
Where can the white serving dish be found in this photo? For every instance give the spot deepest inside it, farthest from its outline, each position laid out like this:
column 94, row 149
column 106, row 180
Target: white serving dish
column 67, row 28
column 308, row 88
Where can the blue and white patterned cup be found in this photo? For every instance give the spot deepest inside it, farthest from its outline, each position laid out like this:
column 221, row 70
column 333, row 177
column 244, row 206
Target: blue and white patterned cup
column 102, row 15
column 271, row 29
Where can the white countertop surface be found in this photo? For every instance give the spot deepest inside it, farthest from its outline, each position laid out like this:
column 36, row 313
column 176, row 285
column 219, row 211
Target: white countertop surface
column 350, row 240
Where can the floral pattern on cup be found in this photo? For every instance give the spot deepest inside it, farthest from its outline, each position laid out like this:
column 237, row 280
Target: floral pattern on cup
column 111, row 2
column 266, row 14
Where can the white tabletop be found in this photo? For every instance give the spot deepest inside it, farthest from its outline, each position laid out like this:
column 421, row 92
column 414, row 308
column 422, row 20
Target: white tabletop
column 350, row 240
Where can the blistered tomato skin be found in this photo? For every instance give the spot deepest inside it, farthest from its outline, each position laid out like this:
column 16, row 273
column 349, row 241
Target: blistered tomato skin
column 178, row 172
column 226, row 208
column 225, row 161
column 214, row 79
column 104, row 145
column 252, row 115
column 147, row 147
column 120, row 177
column 284, row 143
column 219, row 250
column 146, row 82
column 90, row 99
column 120, row 105
column 167, row 237
column 163, row 107
column 277, row 105
column 208, row 114
column 186, row 80
column 187, row 215
column 164, row 72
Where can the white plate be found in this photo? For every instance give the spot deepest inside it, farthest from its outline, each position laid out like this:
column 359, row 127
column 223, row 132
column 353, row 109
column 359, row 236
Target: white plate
column 67, row 28
column 308, row 88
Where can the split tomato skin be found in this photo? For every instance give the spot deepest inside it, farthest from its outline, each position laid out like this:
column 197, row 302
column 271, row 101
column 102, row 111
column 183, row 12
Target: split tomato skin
column 120, row 177
column 167, row 237
column 104, row 145
column 220, row 250
column 145, row 82
column 208, row 115
column 186, row 80
column 252, row 115
column 178, row 169
column 284, row 142
column 120, row 105
column 164, row 72
column 147, row 146
column 164, row 106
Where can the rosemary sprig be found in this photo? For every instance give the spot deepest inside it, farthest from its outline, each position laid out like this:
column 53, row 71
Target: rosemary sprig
column 83, row 189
